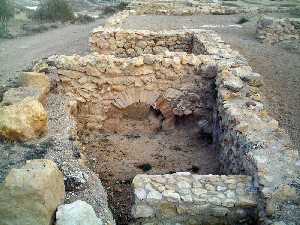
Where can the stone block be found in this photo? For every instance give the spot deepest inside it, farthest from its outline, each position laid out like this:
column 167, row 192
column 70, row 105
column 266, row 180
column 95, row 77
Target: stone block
column 31, row 194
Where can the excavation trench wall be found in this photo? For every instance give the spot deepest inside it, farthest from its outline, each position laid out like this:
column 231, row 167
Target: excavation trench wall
column 249, row 141
column 175, row 84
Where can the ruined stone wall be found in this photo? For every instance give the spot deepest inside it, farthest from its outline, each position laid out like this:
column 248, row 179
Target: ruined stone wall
column 132, row 43
column 187, row 198
column 273, row 30
column 249, row 140
column 182, row 8
column 173, row 84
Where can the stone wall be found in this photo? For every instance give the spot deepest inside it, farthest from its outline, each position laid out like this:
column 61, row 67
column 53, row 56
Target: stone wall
column 185, row 198
column 182, row 8
column 250, row 141
column 132, row 43
column 104, row 85
column 273, row 30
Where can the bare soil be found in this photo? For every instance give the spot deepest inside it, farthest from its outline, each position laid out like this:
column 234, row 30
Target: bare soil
column 119, row 157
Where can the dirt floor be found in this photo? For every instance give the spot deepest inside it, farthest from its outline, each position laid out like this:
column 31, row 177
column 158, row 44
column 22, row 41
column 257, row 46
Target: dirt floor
column 118, row 157
column 18, row 54
column 278, row 64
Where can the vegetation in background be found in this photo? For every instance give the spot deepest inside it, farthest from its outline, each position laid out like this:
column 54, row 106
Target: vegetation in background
column 114, row 8
column 242, row 20
column 83, row 19
column 6, row 12
column 54, row 10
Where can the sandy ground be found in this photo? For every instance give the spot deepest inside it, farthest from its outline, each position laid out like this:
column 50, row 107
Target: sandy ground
column 17, row 54
column 279, row 67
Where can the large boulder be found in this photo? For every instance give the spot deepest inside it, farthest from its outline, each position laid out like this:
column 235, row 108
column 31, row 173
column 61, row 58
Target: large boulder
column 31, row 194
column 36, row 80
column 24, row 120
column 16, row 95
column 77, row 213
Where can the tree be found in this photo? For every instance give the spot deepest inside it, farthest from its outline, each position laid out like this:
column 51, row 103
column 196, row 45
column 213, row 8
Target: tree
column 54, row 10
column 6, row 12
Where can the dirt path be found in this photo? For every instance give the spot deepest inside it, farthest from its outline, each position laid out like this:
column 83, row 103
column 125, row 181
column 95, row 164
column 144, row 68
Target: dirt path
column 17, row 54
column 279, row 67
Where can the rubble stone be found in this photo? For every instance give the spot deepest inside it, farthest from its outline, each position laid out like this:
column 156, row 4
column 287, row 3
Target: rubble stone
column 31, row 194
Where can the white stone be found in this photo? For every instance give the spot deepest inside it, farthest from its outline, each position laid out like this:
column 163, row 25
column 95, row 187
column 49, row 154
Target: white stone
column 77, row 213
column 198, row 191
column 142, row 211
column 171, row 196
column 154, row 196
column 214, row 201
column 233, row 83
column 183, row 187
column 187, row 198
column 221, row 188
column 140, row 193
column 31, row 194
column 230, row 194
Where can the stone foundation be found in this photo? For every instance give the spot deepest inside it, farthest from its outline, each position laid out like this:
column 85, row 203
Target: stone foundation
column 273, row 30
column 250, row 141
column 181, row 8
column 185, row 198
column 132, row 43
column 206, row 80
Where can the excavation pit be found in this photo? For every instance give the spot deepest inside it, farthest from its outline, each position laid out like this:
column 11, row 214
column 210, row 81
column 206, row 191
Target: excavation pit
column 118, row 157
column 144, row 118
column 162, row 125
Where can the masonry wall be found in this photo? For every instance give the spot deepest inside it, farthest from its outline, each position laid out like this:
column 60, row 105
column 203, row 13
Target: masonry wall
column 191, row 8
column 273, row 30
column 185, row 198
column 174, row 84
column 250, row 142
column 132, row 43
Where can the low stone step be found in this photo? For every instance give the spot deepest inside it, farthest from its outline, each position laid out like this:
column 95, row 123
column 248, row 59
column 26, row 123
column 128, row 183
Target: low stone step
column 185, row 198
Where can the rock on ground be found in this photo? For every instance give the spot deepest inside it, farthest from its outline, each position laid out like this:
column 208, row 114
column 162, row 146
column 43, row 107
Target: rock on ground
column 30, row 195
column 36, row 80
column 77, row 213
column 24, row 120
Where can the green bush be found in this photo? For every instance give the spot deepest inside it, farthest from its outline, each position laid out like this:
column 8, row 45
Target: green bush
column 242, row 20
column 54, row 10
column 110, row 9
column 6, row 12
